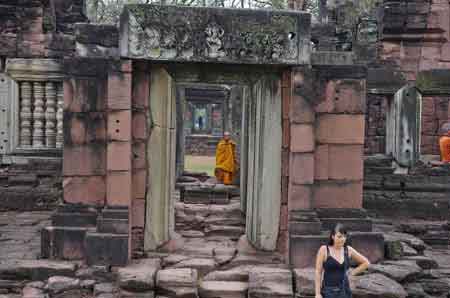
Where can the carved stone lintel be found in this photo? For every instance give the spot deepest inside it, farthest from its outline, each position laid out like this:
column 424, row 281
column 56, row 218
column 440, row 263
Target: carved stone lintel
column 38, row 115
column 25, row 114
column 50, row 115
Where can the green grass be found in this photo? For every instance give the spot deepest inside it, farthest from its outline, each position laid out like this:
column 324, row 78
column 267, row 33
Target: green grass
column 200, row 164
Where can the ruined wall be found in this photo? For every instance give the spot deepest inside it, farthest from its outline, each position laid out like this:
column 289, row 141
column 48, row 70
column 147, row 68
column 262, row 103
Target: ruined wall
column 413, row 47
column 413, row 37
column 435, row 112
column 32, row 29
column 423, row 193
column 38, row 28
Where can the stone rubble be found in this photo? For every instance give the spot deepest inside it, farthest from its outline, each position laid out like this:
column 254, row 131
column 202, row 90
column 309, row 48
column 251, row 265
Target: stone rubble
column 217, row 267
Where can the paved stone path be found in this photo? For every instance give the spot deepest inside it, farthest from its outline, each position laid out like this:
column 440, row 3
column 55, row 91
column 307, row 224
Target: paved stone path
column 20, row 234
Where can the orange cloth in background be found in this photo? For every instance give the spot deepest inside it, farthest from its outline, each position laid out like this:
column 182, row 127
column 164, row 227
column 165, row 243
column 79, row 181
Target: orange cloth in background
column 225, row 161
column 444, row 144
column 224, row 176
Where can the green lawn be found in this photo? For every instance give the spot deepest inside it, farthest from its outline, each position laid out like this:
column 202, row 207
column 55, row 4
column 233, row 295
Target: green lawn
column 200, row 164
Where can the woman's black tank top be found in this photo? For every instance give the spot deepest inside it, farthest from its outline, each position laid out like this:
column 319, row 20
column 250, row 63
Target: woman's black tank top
column 334, row 272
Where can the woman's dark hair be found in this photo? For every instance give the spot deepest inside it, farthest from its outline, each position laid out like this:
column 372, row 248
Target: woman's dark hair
column 337, row 228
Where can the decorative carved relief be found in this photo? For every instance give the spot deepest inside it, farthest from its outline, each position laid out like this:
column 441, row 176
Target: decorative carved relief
column 224, row 35
column 214, row 35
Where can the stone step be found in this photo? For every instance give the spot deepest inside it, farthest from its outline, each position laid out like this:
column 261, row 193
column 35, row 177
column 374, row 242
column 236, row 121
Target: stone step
column 341, row 213
column 227, row 231
column 35, row 269
column 305, row 228
column 75, row 219
column 106, row 249
column 118, row 213
column 223, row 289
column 112, row 225
column 304, row 247
column 352, row 224
column 66, row 243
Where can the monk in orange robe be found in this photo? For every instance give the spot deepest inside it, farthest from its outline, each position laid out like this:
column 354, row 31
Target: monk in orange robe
column 444, row 143
column 226, row 164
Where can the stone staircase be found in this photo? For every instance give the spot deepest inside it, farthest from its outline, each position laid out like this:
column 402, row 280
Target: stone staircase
column 309, row 229
column 83, row 233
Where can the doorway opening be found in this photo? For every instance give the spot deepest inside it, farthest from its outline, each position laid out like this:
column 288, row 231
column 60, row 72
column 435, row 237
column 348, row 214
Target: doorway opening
column 188, row 101
column 208, row 207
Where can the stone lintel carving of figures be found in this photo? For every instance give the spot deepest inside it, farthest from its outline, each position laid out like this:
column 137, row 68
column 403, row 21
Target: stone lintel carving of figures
column 214, row 34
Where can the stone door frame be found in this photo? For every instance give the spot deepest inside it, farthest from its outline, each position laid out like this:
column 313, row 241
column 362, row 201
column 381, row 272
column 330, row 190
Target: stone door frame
column 229, row 75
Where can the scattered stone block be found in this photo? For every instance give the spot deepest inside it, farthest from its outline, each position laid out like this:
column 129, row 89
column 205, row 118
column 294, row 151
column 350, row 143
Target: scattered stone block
column 35, row 269
column 269, row 283
column 223, row 289
column 106, row 249
column 177, row 282
column 304, row 281
column 400, row 271
column 408, row 250
column 376, row 286
column 104, row 288
column 202, row 265
column 139, row 277
column 424, row 262
column 58, row 284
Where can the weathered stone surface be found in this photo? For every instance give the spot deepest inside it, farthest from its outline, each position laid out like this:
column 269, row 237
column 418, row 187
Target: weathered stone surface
column 412, row 241
column 408, row 250
column 270, row 282
column 285, row 35
column 203, row 266
column 139, row 277
column 149, row 294
column 225, row 289
column 58, row 284
column 436, row 286
column 393, row 249
column 423, row 262
column 415, row 290
column 177, row 282
column 239, row 273
column 376, row 285
column 30, row 292
column 304, row 281
column 35, row 269
column 400, row 271
column 104, row 288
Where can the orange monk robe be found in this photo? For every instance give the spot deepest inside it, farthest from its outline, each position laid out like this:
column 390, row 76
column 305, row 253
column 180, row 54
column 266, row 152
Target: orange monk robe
column 444, row 144
column 225, row 161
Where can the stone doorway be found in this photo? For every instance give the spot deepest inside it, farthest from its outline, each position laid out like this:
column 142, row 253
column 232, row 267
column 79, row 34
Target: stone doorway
column 259, row 135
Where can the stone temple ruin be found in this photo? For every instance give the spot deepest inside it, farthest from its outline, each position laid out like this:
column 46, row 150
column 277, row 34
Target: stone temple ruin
column 335, row 120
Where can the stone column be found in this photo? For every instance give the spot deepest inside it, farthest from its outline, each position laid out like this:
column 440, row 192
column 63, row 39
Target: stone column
column 25, row 114
column 59, row 116
column 264, row 164
column 50, row 115
column 38, row 115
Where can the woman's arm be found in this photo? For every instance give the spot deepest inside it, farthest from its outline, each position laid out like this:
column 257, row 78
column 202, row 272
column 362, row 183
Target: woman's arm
column 319, row 268
column 360, row 259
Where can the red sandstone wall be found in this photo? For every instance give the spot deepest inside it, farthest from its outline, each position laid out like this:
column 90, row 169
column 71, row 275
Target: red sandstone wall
column 415, row 37
column 435, row 112
column 375, row 130
column 33, row 29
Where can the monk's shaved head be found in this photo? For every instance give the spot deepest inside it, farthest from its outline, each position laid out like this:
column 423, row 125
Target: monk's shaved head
column 226, row 135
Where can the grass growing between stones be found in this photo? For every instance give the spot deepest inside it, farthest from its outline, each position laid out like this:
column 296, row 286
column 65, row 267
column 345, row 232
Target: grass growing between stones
column 200, row 164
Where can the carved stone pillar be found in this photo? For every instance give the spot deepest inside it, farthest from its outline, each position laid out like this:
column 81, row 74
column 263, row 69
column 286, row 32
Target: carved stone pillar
column 50, row 115
column 25, row 114
column 38, row 115
column 59, row 117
